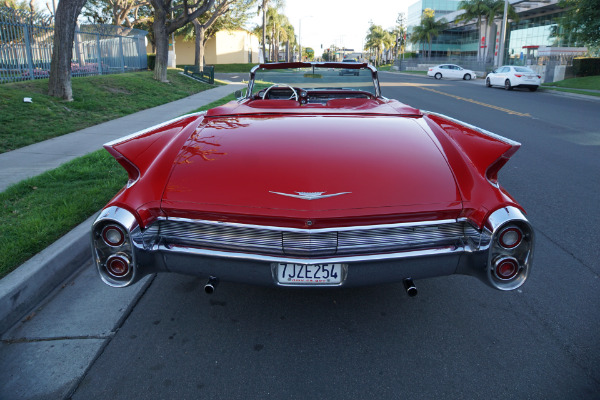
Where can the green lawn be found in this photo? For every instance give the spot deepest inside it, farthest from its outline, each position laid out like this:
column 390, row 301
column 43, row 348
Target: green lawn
column 586, row 82
column 233, row 68
column 39, row 210
column 574, row 85
column 96, row 99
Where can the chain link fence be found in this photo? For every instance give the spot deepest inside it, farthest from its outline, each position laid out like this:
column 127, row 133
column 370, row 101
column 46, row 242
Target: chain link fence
column 26, row 41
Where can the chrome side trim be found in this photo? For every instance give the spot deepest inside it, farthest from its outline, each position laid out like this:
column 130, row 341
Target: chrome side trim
column 143, row 131
column 317, row 230
column 504, row 215
column 119, row 215
column 475, row 128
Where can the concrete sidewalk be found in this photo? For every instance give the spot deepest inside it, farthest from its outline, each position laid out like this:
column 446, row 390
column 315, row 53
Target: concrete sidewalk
column 37, row 158
column 24, row 288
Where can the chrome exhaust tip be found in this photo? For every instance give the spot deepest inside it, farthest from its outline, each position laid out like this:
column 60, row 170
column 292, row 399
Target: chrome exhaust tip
column 211, row 284
column 409, row 286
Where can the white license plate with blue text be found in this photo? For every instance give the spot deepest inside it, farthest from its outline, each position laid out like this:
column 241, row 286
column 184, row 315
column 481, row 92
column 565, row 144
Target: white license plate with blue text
column 309, row 274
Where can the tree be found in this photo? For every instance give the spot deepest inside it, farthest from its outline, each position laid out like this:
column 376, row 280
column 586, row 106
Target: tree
column 224, row 15
column 59, row 84
column 168, row 18
column 308, row 53
column 496, row 10
column 428, row 29
column 375, row 40
column 477, row 10
column 581, row 22
column 280, row 31
column 264, row 7
column 399, row 32
column 116, row 12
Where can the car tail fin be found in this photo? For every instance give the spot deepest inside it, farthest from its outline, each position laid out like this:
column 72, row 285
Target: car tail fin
column 486, row 151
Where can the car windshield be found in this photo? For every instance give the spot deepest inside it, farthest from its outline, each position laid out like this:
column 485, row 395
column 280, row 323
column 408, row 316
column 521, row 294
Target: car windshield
column 319, row 77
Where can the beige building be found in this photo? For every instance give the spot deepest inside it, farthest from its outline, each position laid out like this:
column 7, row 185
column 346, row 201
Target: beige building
column 226, row 47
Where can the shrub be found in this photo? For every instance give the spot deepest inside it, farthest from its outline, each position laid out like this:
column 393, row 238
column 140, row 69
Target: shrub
column 151, row 61
column 586, row 66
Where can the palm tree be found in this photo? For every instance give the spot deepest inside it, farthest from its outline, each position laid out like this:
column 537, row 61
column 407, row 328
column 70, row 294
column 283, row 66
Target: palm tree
column 474, row 9
column 496, row 10
column 376, row 40
column 427, row 30
column 264, row 7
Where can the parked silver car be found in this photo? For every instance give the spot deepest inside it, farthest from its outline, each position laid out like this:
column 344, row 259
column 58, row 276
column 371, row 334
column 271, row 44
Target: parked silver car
column 512, row 76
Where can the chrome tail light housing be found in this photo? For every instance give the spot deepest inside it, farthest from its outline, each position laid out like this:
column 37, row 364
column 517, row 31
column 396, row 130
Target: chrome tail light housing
column 112, row 246
column 511, row 249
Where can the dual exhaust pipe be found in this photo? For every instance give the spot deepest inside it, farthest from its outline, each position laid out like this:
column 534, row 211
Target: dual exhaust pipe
column 213, row 281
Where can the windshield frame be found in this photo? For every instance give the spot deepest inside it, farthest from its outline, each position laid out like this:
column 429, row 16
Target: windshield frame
column 290, row 65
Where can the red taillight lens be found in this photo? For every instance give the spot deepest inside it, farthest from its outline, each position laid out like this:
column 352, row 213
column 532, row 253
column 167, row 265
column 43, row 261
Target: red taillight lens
column 113, row 235
column 118, row 266
column 430, row 69
column 518, row 75
column 506, row 269
column 510, row 237
column 539, row 77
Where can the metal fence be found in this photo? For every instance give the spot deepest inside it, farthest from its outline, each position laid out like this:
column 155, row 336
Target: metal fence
column 551, row 68
column 26, row 42
column 423, row 63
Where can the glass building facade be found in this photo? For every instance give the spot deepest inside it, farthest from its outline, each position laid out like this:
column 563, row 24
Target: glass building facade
column 526, row 35
column 523, row 38
column 441, row 8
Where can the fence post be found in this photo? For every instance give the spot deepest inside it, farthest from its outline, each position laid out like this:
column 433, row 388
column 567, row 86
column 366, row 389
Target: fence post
column 98, row 51
column 28, row 51
column 122, row 54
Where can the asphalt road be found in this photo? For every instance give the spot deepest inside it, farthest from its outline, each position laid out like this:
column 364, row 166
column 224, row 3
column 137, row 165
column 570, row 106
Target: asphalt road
column 457, row 339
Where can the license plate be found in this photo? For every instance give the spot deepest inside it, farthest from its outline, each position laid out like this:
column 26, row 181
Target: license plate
column 309, row 274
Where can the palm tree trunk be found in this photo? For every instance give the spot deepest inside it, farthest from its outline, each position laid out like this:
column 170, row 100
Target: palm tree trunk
column 264, row 30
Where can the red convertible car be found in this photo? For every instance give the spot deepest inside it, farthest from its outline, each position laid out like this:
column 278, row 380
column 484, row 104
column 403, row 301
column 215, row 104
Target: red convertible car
column 315, row 180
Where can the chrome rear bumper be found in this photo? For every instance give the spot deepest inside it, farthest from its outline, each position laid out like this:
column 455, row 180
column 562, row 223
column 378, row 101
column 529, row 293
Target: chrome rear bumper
column 151, row 254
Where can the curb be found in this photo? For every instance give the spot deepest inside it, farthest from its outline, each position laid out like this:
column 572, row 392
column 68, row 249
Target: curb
column 26, row 286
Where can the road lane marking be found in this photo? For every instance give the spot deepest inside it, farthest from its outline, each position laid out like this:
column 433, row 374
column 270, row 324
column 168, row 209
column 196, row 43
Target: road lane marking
column 422, row 86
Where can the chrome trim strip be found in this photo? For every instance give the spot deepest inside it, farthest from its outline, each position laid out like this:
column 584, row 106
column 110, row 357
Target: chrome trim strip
column 502, row 216
column 119, row 215
column 316, row 230
column 475, row 128
column 311, row 261
column 143, row 131
column 370, row 67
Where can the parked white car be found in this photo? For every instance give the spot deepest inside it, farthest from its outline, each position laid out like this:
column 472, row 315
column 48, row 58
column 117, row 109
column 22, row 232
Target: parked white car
column 451, row 71
column 511, row 76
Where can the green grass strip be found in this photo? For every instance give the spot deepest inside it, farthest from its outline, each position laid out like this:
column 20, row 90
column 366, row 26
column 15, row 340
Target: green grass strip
column 586, row 82
column 96, row 99
column 38, row 211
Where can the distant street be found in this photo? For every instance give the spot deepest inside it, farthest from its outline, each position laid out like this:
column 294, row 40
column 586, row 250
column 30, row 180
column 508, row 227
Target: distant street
column 458, row 339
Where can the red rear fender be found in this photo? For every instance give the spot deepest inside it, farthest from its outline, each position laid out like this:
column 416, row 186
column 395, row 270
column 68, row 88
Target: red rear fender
column 148, row 156
column 475, row 156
